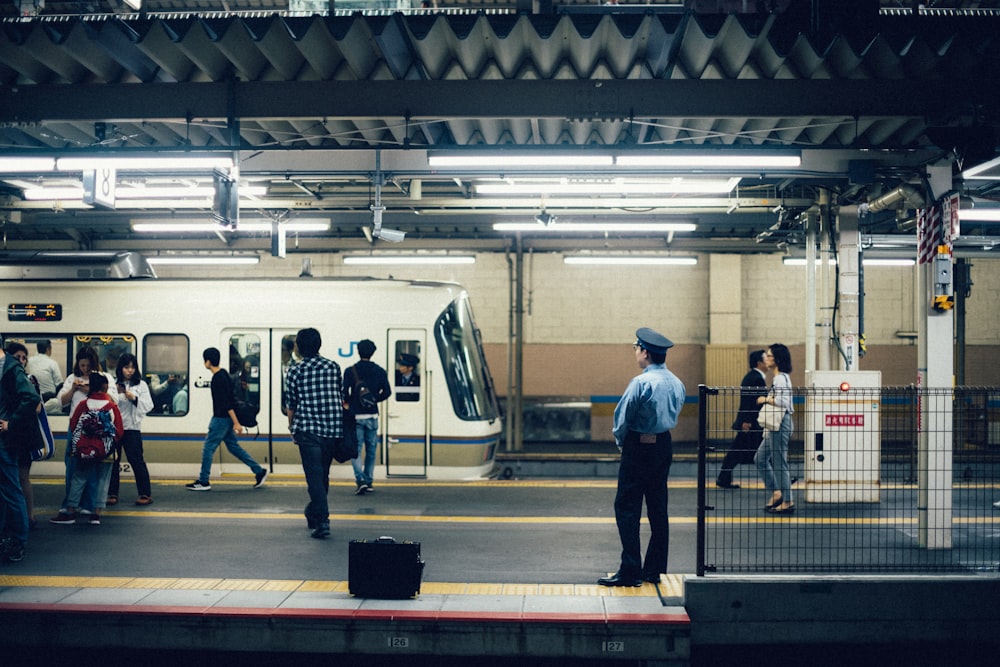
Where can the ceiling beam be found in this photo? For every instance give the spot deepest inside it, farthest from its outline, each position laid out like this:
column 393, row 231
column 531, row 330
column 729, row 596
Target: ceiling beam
column 586, row 99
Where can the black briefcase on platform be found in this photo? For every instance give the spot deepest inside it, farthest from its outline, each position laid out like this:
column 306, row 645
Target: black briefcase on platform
column 384, row 568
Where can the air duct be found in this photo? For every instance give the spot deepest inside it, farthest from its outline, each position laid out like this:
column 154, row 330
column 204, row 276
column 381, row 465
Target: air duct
column 903, row 194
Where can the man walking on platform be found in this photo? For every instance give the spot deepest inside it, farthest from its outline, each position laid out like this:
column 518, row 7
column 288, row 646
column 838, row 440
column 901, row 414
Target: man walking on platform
column 643, row 418
column 223, row 427
column 366, row 384
column 748, row 431
column 315, row 418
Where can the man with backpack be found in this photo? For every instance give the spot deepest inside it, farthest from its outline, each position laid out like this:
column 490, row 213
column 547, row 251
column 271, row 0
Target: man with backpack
column 95, row 427
column 366, row 384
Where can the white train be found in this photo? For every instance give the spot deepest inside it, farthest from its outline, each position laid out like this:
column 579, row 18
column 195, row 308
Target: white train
column 446, row 428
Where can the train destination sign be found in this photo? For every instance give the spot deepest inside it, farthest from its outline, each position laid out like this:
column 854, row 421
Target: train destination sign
column 34, row 312
column 845, row 420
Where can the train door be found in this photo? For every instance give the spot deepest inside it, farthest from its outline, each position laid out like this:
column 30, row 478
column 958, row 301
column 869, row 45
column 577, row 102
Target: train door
column 246, row 355
column 407, row 452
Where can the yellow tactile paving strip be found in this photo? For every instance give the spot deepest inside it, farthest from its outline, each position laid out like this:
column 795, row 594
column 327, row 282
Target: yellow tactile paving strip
column 671, row 585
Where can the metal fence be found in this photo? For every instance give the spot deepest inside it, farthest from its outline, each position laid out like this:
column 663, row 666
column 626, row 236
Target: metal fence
column 890, row 479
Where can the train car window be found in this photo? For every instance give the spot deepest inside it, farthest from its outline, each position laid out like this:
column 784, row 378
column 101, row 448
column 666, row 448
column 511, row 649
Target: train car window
column 165, row 364
column 407, row 389
column 244, row 367
column 464, row 364
column 289, row 357
column 109, row 349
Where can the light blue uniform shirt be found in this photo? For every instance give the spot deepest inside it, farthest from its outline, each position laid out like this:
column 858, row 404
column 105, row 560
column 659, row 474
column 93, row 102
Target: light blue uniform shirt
column 651, row 403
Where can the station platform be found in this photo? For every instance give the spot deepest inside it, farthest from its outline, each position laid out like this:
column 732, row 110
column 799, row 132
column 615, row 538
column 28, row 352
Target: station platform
column 231, row 576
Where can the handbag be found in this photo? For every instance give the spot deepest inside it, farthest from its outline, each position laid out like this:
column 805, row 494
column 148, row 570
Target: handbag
column 46, row 446
column 770, row 417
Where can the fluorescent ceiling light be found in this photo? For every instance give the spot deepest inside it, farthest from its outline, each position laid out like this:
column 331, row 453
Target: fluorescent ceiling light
column 989, row 170
column 131, row 192
column 557, row 227
column 554, row 204
column 682, row 160
column 629, row 260
column 521, row 160
column 210, row 226
column 979, row 214
column 203, row 259
column 13, row 165
column 409, row 259
column 151, row 163
column 615, row 186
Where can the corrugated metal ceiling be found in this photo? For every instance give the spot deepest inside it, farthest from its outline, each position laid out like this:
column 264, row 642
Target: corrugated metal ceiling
column 900, row 91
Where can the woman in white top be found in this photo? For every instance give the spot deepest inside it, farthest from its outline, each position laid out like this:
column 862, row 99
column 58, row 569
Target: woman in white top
column 772, row 455
column 136, row 402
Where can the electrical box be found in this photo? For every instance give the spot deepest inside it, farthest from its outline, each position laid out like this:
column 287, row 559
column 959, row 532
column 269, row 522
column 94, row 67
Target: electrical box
column 842, row 456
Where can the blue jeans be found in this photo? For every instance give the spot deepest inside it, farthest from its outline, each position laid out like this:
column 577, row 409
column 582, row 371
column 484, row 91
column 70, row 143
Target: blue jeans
column 316, row 452
column 772, row 459
column 367, row 430
column 14, row 512
column 220, row 430
column 92, row 477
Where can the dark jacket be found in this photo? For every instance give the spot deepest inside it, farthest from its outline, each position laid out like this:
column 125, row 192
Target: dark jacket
column 18, row 403
column 374, row 377
column 752, row 386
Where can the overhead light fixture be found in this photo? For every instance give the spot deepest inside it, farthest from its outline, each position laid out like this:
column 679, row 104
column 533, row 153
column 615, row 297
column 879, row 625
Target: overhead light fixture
column 203, row 259
column 554, row 204
column 145, row 163
column 72, row 193
column 610, row 227
column 690, row 160
column 613, row 186
column 13, row 165
column 408, row 259
column 630, row 260
column 987, row 171
column 508, row 160
column 210, row 226
column 979, row 214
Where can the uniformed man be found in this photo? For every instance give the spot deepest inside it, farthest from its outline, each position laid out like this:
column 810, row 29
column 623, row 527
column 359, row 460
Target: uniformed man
column 643, row 418
column 406, row 377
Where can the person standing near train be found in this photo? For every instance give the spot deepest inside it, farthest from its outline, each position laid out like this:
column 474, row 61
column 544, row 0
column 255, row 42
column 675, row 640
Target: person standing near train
column 46, row 370
column 646, row 413
column 74, row 390
column 223, row 426
column 315, row 397
column 18, row 404
column 136, row 403
column 366, row 384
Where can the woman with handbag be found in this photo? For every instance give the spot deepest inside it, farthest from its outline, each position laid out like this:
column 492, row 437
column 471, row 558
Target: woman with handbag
column 772, row 455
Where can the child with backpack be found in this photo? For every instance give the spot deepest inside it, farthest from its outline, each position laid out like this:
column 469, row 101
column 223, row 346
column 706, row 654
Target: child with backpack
column 96, row 425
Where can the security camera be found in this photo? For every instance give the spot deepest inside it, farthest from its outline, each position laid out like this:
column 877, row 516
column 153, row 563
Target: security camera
column 544, row 218
column 391, row 235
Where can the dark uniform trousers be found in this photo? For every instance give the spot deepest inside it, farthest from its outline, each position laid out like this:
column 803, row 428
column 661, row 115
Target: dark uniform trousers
column 743, row 450
column 643, row 473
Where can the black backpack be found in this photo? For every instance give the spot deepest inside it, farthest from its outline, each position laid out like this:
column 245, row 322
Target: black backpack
column 246, row 413
column 366, row 399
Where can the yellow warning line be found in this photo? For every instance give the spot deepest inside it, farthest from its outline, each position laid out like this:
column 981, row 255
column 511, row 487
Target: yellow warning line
column 671, row 585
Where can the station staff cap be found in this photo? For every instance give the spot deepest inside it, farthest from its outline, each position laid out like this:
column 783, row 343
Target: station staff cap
column 409, row 359
column 652, row 341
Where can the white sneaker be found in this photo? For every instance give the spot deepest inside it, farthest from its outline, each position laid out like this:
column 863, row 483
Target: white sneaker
column 197, row 486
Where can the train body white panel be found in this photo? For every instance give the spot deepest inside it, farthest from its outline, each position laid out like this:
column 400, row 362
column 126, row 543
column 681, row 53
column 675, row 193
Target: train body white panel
column 446, row 426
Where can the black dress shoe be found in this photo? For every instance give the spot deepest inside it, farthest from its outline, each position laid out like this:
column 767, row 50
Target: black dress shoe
column 728, row 485
column 653, row 577
column 618, row 580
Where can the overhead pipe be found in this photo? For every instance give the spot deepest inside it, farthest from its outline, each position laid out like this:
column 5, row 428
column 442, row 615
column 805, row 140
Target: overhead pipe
column 912, row 196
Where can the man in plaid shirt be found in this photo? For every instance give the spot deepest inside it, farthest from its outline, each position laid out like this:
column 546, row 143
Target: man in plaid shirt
column 316, row 419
